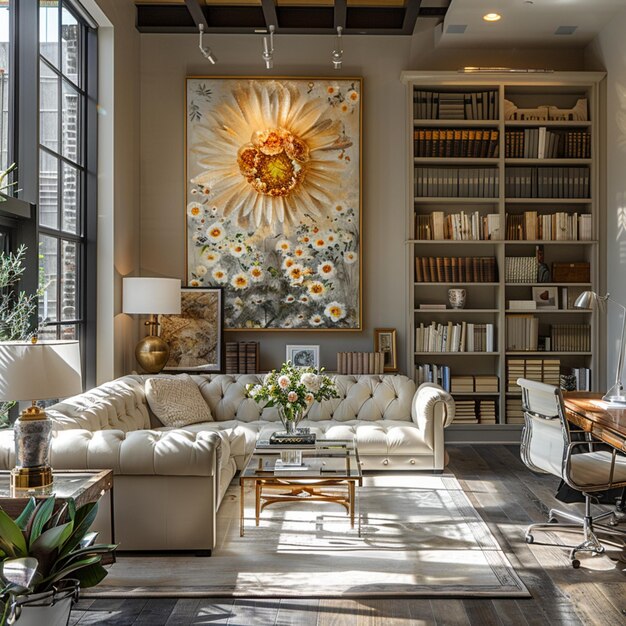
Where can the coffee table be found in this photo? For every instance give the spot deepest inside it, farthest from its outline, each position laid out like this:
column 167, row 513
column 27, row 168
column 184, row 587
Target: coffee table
column 330, row 472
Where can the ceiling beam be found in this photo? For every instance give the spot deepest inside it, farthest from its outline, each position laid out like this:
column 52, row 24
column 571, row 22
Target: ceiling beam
column 410, row 16
column 341, row 7
column 196, row 12
column 269, row 13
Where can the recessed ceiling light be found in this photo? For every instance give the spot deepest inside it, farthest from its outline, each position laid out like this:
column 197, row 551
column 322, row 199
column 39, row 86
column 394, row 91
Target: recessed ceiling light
column 492, row 17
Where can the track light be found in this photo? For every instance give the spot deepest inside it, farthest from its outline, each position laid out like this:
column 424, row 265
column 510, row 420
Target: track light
column 337, row 55
column 268, row 50
column 206, row 52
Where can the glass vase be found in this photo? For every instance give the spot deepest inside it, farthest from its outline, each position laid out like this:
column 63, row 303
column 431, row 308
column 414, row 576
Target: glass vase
column 290, row 419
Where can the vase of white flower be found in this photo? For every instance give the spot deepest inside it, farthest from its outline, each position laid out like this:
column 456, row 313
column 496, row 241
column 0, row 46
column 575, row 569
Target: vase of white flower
column 293, row 390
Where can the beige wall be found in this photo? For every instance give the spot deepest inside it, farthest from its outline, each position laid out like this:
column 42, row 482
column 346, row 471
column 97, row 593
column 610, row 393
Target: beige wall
column 167, row 59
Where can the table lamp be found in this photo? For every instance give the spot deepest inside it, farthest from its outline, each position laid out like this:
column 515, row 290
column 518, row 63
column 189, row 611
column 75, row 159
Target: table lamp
column 591, row 300
column 36, row 370
column 151, row 296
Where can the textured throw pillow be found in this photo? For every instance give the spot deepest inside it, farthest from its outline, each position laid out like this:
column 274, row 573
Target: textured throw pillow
column 177, row 401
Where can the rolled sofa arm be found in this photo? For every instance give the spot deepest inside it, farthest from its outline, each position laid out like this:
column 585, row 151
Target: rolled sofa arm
column 141, row 452
column 431, row 403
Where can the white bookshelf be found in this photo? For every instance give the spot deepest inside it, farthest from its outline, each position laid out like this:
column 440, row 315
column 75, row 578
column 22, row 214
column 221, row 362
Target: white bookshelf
column 487, row 302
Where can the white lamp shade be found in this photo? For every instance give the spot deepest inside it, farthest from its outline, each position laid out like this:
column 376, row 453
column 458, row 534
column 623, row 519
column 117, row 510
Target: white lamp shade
column 151, row 296
column 39, row 371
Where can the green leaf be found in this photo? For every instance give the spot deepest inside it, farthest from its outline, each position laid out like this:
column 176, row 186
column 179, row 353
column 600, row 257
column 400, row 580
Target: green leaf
column 91, row 576
column 12, row 540
column 103, row 548
column 22, row 519
column 40, row 518
column 74, row 567
column 47, row 546
column 83, row 520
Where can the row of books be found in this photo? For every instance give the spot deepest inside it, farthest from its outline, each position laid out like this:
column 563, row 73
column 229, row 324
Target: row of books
column 479, row 383
column 433, row 373
column 456, row 182
column 576, row 379
column 559, row 226
column 242, row 357
column 546, row 182
column 522, row 332
column 474, row 412
column 542, row 370
column 457, row 226
column 540, row 143
column 460, row 337
column 360, row 362
column 477, row 269
column 570, row 337
column 520, row 269
column 440, row 142
column 444, row 105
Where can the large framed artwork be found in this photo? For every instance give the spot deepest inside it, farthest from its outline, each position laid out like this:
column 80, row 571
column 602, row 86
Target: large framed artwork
column 273, row 210
column 195, row 335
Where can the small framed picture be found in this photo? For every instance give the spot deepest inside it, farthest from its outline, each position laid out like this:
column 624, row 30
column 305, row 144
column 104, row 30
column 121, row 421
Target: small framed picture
column 546, row 297
column 304, row 356
column 385, row 341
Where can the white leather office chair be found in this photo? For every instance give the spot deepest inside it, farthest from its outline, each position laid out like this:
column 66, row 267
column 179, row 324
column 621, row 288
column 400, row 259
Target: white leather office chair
column 547, row 447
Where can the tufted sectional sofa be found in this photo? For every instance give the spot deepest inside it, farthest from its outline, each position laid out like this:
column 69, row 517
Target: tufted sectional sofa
column 169, row 482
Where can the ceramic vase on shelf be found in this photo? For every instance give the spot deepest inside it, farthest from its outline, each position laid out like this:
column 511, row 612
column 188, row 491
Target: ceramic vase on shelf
column 457, row 298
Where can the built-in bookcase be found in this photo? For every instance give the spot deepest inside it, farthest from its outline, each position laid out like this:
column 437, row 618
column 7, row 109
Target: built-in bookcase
column 498, row 164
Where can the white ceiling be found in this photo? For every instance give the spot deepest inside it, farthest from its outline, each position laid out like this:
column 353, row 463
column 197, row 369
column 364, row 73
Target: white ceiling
column 526, row 23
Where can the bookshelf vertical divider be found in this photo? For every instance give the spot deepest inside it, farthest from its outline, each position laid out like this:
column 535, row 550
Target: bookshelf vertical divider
column 549, row 185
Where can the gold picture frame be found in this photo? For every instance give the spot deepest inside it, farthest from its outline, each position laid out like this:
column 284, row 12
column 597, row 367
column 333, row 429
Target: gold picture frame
column 385, row 342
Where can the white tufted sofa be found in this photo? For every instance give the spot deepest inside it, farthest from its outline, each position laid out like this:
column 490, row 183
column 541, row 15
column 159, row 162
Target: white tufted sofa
column 169, row 483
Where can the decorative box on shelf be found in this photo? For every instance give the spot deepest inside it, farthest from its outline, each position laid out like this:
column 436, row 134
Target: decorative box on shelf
column 571, row 272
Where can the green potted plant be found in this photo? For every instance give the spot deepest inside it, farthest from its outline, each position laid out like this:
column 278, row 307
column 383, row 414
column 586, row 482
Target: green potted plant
column 45, row 557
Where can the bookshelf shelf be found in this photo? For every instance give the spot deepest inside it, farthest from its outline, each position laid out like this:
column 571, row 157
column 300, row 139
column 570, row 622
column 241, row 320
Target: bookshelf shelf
column 475, row 394
column 492, row 182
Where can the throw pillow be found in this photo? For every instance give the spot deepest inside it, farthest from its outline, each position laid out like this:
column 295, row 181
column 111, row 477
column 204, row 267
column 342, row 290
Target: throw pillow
column 177, row 401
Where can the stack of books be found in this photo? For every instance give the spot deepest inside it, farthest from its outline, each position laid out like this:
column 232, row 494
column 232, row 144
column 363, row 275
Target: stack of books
column 522, row 305
column 522, row 332
column 242, row 357
column 462, row 384
column 456, row 269
column 487, row 411
column 360, row 362
column 542, row 370
column 486, row 384
column 514, row 412
column 570, row 337
column 465, row 412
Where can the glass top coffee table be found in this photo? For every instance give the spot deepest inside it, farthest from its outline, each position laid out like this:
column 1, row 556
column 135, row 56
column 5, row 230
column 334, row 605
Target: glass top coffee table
column 329, row 471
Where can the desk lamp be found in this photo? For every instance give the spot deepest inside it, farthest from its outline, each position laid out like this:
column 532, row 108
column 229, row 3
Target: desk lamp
column 36, row 370
column 590, row 300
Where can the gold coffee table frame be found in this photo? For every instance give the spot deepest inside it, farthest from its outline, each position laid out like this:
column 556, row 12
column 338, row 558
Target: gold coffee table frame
column 337, row 484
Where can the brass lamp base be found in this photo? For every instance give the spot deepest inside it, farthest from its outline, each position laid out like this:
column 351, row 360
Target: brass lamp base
column 31, row 478
column 152, row 354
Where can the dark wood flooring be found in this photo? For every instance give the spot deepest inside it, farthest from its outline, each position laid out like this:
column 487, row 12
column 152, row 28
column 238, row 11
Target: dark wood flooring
column 508, row 496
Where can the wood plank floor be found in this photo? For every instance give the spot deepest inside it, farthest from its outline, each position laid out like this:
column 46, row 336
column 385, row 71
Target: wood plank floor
column 508, row 496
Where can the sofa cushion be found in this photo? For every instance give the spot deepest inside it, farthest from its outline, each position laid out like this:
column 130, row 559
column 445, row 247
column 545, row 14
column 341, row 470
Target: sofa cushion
column 177, row 401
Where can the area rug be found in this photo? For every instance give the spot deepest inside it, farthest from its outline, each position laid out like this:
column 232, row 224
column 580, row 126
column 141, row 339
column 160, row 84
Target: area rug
column 420, row 536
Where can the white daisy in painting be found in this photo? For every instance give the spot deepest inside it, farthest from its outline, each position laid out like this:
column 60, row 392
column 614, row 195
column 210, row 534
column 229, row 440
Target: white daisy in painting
column 219, row 275
column 237, row 249
column 335, row 311
column 201, row 270
column 350, row 257
column 296, row 274
column 331, row 238
column 319, row 242
column 194, row 209
column 284, row 245
column 352, row 96
column 290, row 299
column 215, row 232
column 288, row 262
column 239, row 281
column 257, row 274
column 195, row 283
column 304, row 299
column 300, row 252
column 211, row 257
column 270, row 153
column 326, row 269
column 316, row 320
column 316, row 289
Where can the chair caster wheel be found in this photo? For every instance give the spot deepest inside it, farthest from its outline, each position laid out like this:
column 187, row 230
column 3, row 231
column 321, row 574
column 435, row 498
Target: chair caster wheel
column 575, row 563
column 529, row 539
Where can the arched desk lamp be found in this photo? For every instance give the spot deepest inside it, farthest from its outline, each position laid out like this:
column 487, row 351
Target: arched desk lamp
column 591, row 300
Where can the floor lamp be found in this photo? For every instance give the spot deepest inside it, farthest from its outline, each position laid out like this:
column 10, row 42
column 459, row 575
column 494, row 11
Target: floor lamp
column 591, row 300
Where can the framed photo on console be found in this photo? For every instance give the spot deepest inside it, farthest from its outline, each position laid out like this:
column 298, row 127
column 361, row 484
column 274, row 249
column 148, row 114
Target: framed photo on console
column 304, row 356
column 385, row 342
column 195, row 336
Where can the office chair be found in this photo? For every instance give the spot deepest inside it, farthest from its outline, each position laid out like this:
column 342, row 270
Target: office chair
column 547, row 447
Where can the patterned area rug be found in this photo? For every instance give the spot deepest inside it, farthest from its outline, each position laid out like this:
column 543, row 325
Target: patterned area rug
column 420, row 536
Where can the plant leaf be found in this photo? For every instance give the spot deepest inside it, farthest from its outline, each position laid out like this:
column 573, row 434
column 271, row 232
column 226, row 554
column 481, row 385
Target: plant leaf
column 47, row 546
column 42, row 514
column 83, row 520
column 91, row 576
column 74, row 567
column 12, row 540
column 102, row 548
column 22, row 519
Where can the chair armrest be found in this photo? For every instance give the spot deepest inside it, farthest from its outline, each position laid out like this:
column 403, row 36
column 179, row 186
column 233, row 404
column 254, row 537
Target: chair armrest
column 431, row 402
column 140, row 452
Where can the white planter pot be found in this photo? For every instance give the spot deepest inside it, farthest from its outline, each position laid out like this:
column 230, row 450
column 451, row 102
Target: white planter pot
column 51, row 608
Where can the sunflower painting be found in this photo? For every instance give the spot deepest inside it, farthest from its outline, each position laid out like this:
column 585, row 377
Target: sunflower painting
column 273, row 199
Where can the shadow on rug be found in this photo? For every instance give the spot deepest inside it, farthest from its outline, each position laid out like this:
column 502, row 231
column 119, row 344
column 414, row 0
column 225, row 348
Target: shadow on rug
column 420, row 536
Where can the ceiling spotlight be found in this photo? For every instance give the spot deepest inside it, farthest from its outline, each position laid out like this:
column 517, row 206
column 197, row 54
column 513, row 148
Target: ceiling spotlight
column 268, row 49
column 492, row 17
column 206, row 52
column 337, row 55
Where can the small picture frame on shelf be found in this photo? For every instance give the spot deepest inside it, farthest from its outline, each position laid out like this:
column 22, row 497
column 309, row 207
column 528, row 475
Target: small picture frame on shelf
column 385, row 342
column 304, row 356
column 546, row 298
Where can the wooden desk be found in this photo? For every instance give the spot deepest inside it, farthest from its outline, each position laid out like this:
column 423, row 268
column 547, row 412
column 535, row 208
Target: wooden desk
column 589, row 412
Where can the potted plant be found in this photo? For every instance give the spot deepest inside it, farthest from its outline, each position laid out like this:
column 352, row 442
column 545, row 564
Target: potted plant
column 45, row 557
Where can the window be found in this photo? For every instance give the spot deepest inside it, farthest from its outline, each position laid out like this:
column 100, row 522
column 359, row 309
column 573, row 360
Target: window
column 63, row 170
column 5, row 96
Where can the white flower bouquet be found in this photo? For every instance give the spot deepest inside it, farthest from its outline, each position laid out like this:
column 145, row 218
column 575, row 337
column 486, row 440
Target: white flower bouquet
column 293, row 390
